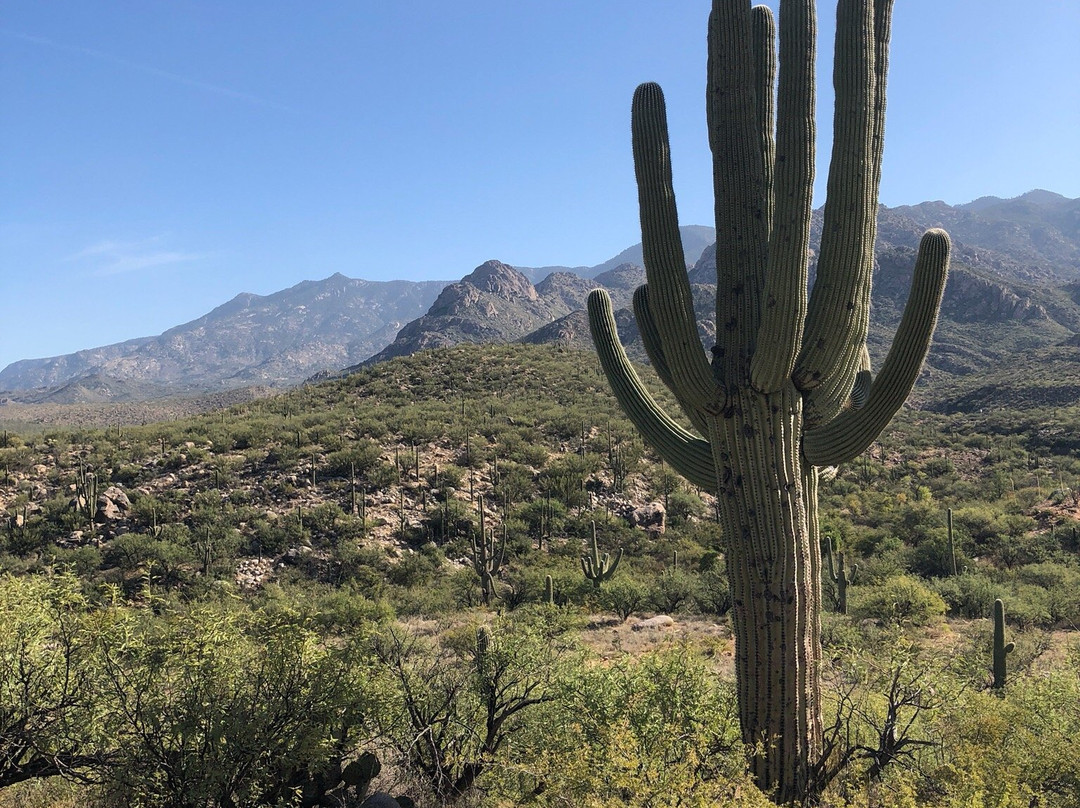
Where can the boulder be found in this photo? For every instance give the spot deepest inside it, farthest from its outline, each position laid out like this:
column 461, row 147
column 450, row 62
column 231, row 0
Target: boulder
column 112, row 505
column 651, row 518
column 658, row 622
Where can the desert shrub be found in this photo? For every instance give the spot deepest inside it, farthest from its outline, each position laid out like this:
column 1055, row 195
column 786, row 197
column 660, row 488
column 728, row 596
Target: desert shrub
column 886, row 560
column 165, row 558
column 673, row 590
column 515, row 482
column 363, row 456
column 646, row 732
column 1028, row 605
column 839, row 633
column 83, row 562
column 1012, row 752
column 624, row 595
column 902, row 598
column 412, row 570
column 930, row 557
column 238, row 707
column 1062, row 586
column 683, row 505
column 713, row 592
column 449, row 520
column 969, row 595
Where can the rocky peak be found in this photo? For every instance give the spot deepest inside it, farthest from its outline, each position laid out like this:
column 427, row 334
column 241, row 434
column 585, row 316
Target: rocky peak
column 502, row 280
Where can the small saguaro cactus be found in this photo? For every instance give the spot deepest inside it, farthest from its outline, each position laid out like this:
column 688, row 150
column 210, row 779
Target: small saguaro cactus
column 483, row 645
column 952, row 544
column 487, row 557
column 839, row 574
column 599, row 568
column 1001, row 648
column 86, row 492
column 549, row 590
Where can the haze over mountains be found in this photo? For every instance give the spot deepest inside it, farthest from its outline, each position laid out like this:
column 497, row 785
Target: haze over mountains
column 1015, row 284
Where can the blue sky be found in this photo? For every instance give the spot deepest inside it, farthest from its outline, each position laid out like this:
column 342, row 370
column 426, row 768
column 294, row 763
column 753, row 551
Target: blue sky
column 157, row 158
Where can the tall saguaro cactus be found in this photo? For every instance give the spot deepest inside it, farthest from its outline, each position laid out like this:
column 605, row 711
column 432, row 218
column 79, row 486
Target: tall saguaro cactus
column 788, row 389
column 838, row 572
column 1001, row 648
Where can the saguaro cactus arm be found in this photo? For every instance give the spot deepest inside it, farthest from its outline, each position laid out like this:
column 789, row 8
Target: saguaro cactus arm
column 838, row 315
column 687, row 454
column 671, row 303
column 784, row 303
column 849, row 434
column 654, row 347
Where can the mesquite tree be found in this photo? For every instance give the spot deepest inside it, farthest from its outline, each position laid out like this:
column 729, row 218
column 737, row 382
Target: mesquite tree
column 788, row 389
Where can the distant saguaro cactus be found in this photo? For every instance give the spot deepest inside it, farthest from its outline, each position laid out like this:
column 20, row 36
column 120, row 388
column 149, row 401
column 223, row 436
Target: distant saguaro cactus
column 1001, row 648
column 788, row 389
column 839, row 574
column 599, row 568
column 486, row 556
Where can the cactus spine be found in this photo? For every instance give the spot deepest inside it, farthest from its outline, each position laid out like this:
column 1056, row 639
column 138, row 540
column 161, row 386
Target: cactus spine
column 779, row 398
column 599, row 568
column 1001, row 648
column 840, row 576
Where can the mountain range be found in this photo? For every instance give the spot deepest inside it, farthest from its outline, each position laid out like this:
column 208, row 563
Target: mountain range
column 1015, row 285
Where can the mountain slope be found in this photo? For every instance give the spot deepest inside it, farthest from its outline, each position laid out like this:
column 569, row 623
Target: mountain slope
column 1015, row 286
column 493, row 303
column 277, row 339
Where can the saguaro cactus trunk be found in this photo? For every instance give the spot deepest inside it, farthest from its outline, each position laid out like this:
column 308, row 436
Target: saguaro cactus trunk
column 788, row 389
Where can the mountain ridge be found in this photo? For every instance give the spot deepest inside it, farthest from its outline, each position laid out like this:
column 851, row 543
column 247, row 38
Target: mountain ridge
column 1016, row 267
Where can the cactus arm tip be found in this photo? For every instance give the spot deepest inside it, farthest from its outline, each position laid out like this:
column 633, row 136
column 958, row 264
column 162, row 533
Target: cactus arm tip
column 672, row 305
column 847, row 436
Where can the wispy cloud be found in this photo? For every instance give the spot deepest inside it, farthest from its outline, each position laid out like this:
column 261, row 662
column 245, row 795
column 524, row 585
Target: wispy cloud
column 176, row 78
column 111, row 257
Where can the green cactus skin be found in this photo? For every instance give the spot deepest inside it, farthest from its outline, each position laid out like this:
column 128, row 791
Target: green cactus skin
column 788, row 389
column 599, row 568
column 840, row 576
column 487, row 556
column 549, row 591
column 1001, row 648
column 86, row 492
column 952, row 545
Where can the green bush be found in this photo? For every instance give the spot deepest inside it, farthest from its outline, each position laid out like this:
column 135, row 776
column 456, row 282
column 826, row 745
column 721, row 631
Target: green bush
column 969, row 595
column 901, row 599
column 624, row 595
column 673, row 591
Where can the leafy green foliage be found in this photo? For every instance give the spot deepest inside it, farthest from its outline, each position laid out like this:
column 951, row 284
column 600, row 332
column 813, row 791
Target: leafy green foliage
column 138, row 587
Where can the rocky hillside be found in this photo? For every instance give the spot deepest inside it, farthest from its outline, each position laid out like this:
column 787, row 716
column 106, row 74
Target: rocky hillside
column 493, row 303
